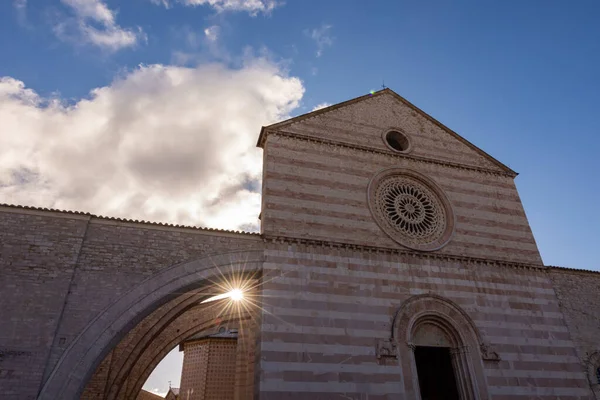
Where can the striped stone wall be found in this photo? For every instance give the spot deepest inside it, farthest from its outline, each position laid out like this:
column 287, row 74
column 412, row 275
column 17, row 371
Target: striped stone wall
column 361, row 122
column 316, row 190
column 326, row 307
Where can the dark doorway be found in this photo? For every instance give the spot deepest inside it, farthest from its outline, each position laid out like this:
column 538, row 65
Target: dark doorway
column 436, row 376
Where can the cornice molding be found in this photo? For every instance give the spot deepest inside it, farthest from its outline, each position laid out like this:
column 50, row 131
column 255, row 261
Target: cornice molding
column 369, row 149
column 326, row 244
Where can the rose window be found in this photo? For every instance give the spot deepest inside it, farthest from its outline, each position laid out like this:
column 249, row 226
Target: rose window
column 410, row 209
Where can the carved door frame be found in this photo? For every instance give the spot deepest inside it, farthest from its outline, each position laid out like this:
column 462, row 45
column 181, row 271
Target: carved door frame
column 467, row 349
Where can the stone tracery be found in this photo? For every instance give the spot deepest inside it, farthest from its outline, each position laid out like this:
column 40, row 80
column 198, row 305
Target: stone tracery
column 411, row 209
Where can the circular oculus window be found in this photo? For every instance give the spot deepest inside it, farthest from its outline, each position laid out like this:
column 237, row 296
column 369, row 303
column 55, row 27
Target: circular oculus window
column 396, row 141
column 411, row 209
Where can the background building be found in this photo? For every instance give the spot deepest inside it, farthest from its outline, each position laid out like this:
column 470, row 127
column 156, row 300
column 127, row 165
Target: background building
column 209, row 368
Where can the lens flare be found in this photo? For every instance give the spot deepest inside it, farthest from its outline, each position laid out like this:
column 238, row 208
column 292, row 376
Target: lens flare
column 240, row 290
column 234, row 294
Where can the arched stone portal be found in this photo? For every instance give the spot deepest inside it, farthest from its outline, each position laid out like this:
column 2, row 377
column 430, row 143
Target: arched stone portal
column 103, row 333
column 429, row 322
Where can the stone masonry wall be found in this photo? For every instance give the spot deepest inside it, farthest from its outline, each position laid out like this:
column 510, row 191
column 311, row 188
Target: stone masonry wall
column 362, row 122
column 319, row 191
column 58, row 270
column 578, row 295
column 38, row 252
column 317, row 172
column 329, row 306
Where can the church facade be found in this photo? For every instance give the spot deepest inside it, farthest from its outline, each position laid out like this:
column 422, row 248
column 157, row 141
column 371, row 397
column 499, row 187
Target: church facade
column 395, row 261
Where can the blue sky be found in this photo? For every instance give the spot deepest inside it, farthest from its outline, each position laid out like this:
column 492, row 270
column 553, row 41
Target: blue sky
column 113, row 84
column 518, row 79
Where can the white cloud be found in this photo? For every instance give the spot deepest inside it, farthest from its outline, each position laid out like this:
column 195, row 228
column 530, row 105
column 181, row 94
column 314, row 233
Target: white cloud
column 162, row 143
column 252, row 7
column 95, row 23
column 321, row 37
column 321, row 105
column 212, row 33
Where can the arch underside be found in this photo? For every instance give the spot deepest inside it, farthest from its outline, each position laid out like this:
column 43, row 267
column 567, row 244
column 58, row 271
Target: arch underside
column 112, row 357
column 125, row 369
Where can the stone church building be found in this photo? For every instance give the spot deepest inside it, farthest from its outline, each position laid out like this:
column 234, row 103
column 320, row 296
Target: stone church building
column 394, row 261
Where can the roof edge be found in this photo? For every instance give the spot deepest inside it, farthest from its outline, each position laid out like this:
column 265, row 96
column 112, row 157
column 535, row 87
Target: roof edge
column 265, row 129
column 126, row 220
column 456, row 135
column 311, row 114
column 568, row 269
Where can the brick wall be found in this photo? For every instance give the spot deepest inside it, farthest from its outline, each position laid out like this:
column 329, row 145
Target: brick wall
column 117, row 256
column 38, row 253
column 195, row 370
column 209, row 369
column 221, row 374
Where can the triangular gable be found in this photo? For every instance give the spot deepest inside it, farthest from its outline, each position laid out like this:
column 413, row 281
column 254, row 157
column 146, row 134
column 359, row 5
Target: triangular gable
column 361, row 121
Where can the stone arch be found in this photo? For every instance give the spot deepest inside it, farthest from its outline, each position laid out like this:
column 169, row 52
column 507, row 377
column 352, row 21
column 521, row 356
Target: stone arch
column 130, row 363
column 593, row 372
column 94, row 342
column 135, row 342
column 129, row 357
column 444, row 320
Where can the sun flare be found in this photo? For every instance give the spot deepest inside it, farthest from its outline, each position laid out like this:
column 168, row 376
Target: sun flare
column 234, row 294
